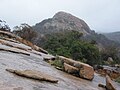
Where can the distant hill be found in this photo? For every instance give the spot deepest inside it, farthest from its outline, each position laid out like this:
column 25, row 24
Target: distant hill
column 63, row 21
column 115, row 36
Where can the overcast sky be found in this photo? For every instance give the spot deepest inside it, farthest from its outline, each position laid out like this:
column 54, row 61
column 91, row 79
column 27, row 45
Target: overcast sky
column 100, row 15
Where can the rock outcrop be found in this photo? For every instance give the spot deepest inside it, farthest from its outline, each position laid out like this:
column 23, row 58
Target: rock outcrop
column 4, row 34
column 107, row 70
column 85, row 71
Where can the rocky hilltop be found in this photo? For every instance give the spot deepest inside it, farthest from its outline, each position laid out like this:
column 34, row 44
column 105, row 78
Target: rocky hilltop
column 62, row 21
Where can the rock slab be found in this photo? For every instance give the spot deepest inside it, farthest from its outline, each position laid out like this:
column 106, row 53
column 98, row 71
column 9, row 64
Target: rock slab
column 37, row 75
column 109, row 83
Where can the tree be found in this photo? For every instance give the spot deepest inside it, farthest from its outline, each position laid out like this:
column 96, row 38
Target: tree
column 110, row 51
column 25, row 31
column 4, row 26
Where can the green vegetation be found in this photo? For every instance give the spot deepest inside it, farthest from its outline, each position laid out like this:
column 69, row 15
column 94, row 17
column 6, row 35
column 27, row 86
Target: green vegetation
column 68, row 44
column 118, row 80
column 25, row 31
column 110, row 51
column 57, row 63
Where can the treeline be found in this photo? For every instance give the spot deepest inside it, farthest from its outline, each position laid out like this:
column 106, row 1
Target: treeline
column 68, row 44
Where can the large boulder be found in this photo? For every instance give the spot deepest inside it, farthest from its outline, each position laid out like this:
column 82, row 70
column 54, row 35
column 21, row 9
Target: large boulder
column 70, row 69
column 109, row 83
column 85, row 71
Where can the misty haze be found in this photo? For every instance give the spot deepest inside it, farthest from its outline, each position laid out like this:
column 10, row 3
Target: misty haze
column 59, row 45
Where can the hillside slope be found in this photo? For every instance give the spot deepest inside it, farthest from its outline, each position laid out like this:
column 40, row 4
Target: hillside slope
column 19, row 56
column 115, row 36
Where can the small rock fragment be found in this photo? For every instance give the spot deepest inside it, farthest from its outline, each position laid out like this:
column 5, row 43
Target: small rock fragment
column 101, row 85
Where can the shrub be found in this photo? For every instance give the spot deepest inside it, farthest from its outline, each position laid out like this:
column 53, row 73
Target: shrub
column 68, row 44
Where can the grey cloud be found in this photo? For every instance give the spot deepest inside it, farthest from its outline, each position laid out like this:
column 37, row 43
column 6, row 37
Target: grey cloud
column 100, row 15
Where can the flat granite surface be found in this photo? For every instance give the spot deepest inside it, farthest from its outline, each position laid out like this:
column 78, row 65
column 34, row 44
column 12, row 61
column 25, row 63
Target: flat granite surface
column 36, row 62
